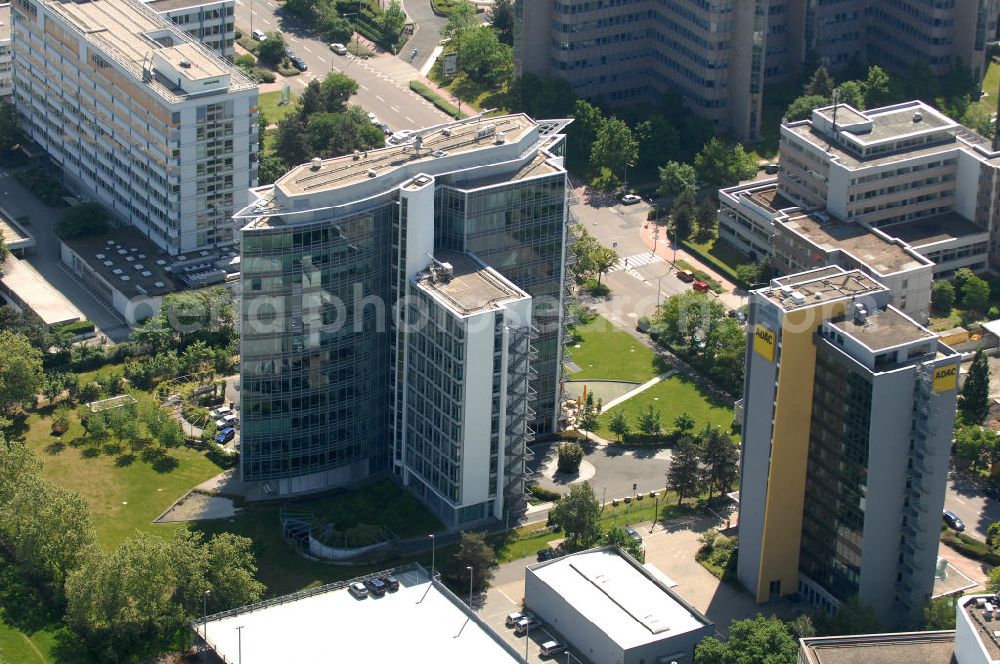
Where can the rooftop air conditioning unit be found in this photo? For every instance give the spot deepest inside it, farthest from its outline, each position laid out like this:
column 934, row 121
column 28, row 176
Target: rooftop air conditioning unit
column 315, row 163
column 918, row 116
column 797, row 297
column 500, row 139
column 446, row 131
column 357, row 155
column 371, row 172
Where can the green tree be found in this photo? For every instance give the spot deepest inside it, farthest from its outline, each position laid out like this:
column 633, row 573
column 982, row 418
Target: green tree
column 270, row 168
column 337, row 90
column 852, row 93
column 980, row 119
column 649, row 420
column 682, row 222
column 83, row 219
column 975, row 402
column 802, row 627
column 940, row 613
column 684, row 474
column 291, row 144
column 589, row 415
column 50, row 532
column 335, row 28
column 707, row 217
column 675, row 178
column 135, row 602
column 336, row 134
column 976, row 294
column 475, row 552
column 919, row 81
column 619, row 424
column 577, row 513
column 10, row 127
column 853, row 617
column 484, row 58
column 614, row 146
column 19, row 468
column 721, row 458
column 683, row 424
column 390, row 24
column 618, row 537
column 758, row 640
column 501, row 18
column 821, row 83
column 606, row 180
column 587, row 119
column 603, row 259
column 461, row 18
column 570, row 456
column 993, row 580
column 942, row 297
column 656, row 137
column 272, row 49
column 719, row 165
column 876, row 87
column 802, row 107
column 548, row 97
column 747, row 275
column 21, row 376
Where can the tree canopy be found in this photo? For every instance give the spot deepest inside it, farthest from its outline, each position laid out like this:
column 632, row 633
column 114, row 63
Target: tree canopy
column 577, row 513
column 975, row 402
column 719, row 165
column 21, row 375
column 759, row 640
column 83, row 219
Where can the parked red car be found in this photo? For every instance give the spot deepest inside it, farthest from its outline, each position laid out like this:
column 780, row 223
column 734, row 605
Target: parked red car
column 700, row 286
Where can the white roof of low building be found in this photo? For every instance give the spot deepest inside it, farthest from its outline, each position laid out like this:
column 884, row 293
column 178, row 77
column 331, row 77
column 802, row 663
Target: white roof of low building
column 624, row 600
column 333, row 626
column 993, row 327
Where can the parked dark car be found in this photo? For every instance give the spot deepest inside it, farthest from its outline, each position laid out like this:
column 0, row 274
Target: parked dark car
column 631, row 532
column 391, row 583
column 953, row 521
column 225, row 436
column 375, row 586
column 299, row 63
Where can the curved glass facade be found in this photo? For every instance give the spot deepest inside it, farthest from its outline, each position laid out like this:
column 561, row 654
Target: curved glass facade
column 315, row 346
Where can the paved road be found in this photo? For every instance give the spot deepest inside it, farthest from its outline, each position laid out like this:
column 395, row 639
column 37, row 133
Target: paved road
column 966, row 498
column 383, row 80
column 426, row 35
column 45, row 257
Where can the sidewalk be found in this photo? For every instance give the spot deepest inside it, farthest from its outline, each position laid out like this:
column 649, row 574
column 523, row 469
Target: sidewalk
column 642, row 388
column 665, row 250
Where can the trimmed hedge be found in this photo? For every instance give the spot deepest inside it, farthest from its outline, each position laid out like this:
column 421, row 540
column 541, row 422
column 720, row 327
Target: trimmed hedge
column 970, row 547
column 78, row 327
column 439, row 102
column 543, row 494
column 648, row 439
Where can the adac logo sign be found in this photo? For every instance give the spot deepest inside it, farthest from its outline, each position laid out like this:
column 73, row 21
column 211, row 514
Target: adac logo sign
column 764, row 342
column 945, row 378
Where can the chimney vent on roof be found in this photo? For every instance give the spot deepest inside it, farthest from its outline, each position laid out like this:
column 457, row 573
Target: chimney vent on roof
column 185, row 64
column 315, row 163
column 918, row 116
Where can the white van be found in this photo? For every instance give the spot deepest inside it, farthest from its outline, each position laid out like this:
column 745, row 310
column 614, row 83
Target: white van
column 259, row 35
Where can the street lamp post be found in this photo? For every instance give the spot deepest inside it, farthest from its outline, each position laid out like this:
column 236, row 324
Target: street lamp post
column 625, row 185
column 469, row 567
column 656, row 510
column 204, row 611
column 432, row 554
column 239, row 644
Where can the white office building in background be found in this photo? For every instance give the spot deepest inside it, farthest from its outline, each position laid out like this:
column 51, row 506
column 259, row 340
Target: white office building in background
column 209, row 21
column 6, row 61
column 140, row 117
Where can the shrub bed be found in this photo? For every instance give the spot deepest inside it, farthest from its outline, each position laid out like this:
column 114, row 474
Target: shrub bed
column 544, row 495
column 701, row 275
column 970, row 547
column 43, row 185
column 77, row 328
column 439, row 102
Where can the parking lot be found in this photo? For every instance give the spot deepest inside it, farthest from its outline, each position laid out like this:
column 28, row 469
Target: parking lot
column 670, row 547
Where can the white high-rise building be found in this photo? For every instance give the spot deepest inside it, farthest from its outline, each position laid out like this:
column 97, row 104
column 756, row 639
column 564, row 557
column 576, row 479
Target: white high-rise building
column 209, row 21
column 139, row 116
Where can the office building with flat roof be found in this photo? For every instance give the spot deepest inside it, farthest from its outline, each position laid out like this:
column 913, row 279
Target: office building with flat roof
column 612, row 609
column 421, row 619
column 937, row 647
column 848, row 409
column 6, row 54
column 335, row 385
column 719, row 54
column 212, row 22
column 139, row 116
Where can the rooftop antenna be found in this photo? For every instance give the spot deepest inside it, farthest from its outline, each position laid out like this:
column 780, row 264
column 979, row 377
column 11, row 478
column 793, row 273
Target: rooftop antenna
column 836, row 102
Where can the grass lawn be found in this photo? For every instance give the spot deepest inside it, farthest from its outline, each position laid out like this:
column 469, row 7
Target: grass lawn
column 723, row 252
column 527, row 541
column 991, row 83
column 272, row 110
column 123, row 495
column 607, row 353
column 942, row 323
column 672, row 397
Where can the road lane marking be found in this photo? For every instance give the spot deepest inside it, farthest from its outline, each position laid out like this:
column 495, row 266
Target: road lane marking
column 321, row 58
column 410, row 119
column 380, row 99
column 253, row 12
column 365, row 87
column 396, row 110
column 959, row 499
column 306, row 49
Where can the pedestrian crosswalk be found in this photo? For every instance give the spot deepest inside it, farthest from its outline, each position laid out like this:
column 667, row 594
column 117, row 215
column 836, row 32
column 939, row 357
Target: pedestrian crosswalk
column 635, row 260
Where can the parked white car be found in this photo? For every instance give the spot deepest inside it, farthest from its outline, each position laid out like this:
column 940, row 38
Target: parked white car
column 259, row 35
column 227, row 421
column 339, row 49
